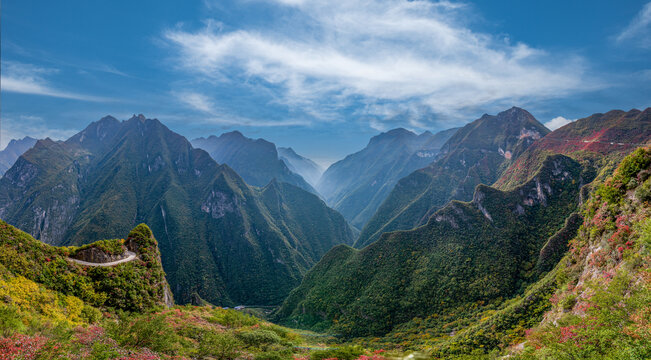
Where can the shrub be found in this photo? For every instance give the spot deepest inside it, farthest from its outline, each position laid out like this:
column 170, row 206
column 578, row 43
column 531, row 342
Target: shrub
column 9, row 321
column 342, row 353
column 258, row 337
column 272, row 355
column 568, row 302
column 150, row 331
column 90, row 314
column 221, row 346
column 643, row 191
column 232, row 318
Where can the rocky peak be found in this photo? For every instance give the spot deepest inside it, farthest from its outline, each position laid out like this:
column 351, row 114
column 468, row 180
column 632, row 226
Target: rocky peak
column 231, row 135
column 399, row 133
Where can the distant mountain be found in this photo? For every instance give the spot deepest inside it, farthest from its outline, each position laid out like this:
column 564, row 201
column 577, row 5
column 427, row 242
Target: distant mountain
column 308, row 169
column 357, row 185
column 444, row 284
column 476, row 154
column 14, row 149
column 221, row 240
column 468, row 254
column 256, row 161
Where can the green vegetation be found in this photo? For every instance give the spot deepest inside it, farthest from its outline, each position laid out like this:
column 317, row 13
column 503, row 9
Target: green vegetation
column 600, row 308
column 69, row 311
column 221, row 241
column 256, row 161
column 467, row 259
column 135, row 285
column 112, row 247
column 358, row 184
column 477, row 154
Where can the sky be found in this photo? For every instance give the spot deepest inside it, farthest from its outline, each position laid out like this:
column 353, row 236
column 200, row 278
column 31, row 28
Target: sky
column 319, row 76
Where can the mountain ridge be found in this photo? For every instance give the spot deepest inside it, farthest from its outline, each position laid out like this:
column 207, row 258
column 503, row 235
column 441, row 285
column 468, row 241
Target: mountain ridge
column 13, row 150
column 65, row 193
column 476, row 153
column 357, row 184
column 256, row 160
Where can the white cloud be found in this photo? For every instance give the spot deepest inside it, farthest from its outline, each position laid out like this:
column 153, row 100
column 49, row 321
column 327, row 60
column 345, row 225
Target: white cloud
column 639, row 29
column 196, row 101
column 558, row 122
column 29, row 79
column 234, row 120
column 413, row 52
column 216, row 115
column 17, row 127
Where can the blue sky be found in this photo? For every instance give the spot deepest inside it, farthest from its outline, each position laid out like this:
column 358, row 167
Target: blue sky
column 319, row 76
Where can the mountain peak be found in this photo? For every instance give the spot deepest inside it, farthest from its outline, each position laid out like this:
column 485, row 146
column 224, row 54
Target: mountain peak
column 139, row 117
column 235, row 134
column 397, row 133
column 108, row 118
column 515, row 113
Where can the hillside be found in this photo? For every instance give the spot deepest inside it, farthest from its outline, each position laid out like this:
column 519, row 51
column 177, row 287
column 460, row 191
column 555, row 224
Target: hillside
column 256, row 161
column 593, row 304
column 52, row 307
column 14, row 149
column 476, row 154
column 469, row 253
column 308, row 169
column 357, row 185
column 218, row 238
column 599, row 308
column 134, row 285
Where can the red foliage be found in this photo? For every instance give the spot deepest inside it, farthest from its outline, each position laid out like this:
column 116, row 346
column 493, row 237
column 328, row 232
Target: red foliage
column 87, row 336
column 21, row 347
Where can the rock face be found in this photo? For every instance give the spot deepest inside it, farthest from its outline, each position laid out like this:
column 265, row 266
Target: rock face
column 95, row 255
column 476, row 154
column 357, row 185
column 14, row 149
column 221, row 239
column 594, row 140
column 256, row 161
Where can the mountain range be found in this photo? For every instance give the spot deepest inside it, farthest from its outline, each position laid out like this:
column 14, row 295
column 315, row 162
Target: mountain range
column 496, row 239
column 14, row 149
column 476, row 154
column 308, row 169
column 468, row 257
column 221, row 240
column 357, row 185
column 256, row 161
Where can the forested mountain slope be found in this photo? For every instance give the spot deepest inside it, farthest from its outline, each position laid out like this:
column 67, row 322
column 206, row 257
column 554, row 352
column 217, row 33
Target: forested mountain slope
column 357, row 185
column 256, row 161
column 218, row 238
column 469, row 252
column 476, row 154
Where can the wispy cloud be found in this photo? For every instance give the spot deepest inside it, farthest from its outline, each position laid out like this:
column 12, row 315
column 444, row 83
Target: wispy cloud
column 417, row 53
column 214, row 115
column 195, row 101
column 30, row 79
column 638, row 30
column 558, row 122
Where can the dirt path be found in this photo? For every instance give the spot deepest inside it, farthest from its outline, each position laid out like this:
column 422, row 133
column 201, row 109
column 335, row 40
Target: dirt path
column 130, row 257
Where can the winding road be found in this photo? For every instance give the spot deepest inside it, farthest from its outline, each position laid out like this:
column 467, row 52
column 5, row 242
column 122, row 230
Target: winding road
column 130, row 257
